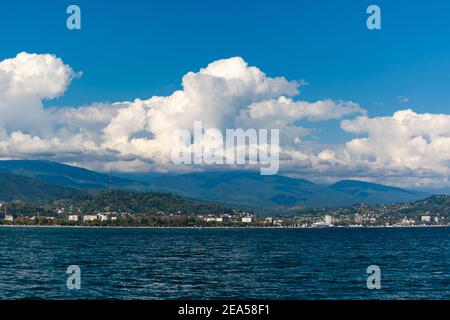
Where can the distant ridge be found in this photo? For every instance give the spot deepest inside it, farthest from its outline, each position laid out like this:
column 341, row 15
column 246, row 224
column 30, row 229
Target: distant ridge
column 279, row 193
column 14, row 187
column 373, row 193
column 65, row 175
column 240, row 189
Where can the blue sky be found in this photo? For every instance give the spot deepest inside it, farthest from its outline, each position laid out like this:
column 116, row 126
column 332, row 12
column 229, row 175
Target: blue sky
column 143, row 48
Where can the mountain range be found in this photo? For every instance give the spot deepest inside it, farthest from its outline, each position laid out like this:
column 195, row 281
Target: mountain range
column 68, row 176
column 278, row 193
column 16, row 187
column 35, row 179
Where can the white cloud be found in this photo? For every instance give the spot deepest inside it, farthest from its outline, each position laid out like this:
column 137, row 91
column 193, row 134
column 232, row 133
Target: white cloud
column 288, row 110
column 25, row 81
column 226, row 94
column 404, row 140
column 41, row 75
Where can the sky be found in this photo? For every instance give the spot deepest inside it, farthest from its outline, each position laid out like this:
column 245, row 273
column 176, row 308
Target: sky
column 383, row 94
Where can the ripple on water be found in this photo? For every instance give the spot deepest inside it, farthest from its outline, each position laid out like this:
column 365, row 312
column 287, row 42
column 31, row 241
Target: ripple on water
column 224, row 263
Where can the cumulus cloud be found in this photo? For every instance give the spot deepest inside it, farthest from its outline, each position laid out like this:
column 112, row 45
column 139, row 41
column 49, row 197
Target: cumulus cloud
column 44, row 76
column 137, row 135
column 404, row 140
column 25, row 81
column 226, row 94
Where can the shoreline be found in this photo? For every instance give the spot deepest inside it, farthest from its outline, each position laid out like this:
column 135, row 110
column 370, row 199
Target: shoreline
column 218, row 227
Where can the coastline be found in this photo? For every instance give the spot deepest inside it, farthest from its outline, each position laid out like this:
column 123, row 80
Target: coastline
column 219, row 227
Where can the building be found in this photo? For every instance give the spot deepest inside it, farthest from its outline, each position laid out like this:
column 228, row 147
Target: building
column 358, row 219
column 73, row 217
column 87, row 218
column 407, row 222
column 247, row 219
column 328, row 219
column 6, row 216
column 268, row 220
column 425, row 218
column 278, row 222
column 320, row 224
column 102, row 217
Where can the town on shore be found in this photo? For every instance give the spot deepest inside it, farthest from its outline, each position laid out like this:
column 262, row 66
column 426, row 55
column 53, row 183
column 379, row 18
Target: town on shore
column 116, row 209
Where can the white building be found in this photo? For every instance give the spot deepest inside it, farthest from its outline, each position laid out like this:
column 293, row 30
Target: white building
column 407, row 222
column 247, row 219
column 278, row 222
column 9, row 218
column 89, row 218
column 359, row 219
column 102, row 217
column 268, row 220
column 73, row 217
column 214, row 219
column 328, row 219
column 425, row 218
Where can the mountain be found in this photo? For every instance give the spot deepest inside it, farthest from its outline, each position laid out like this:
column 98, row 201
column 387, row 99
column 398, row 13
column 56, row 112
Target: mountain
column 437, row 204
column 372, row 193
column 247, row 189
column 277, row 193
column 240, row 189
column 141, row 203
column 65, row 175
column 14, row 187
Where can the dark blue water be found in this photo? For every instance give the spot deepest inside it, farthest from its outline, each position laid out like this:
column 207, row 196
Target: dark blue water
column 225, row 263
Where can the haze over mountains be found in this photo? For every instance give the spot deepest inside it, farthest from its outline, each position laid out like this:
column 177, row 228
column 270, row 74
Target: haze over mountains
column 34, row 179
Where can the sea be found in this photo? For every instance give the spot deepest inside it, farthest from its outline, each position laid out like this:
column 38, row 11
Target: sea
column 224, row 263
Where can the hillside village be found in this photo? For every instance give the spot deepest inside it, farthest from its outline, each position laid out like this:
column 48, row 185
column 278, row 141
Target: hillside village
column 121, row 208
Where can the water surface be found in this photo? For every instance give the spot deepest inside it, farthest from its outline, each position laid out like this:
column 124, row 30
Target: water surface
column 224, row 263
